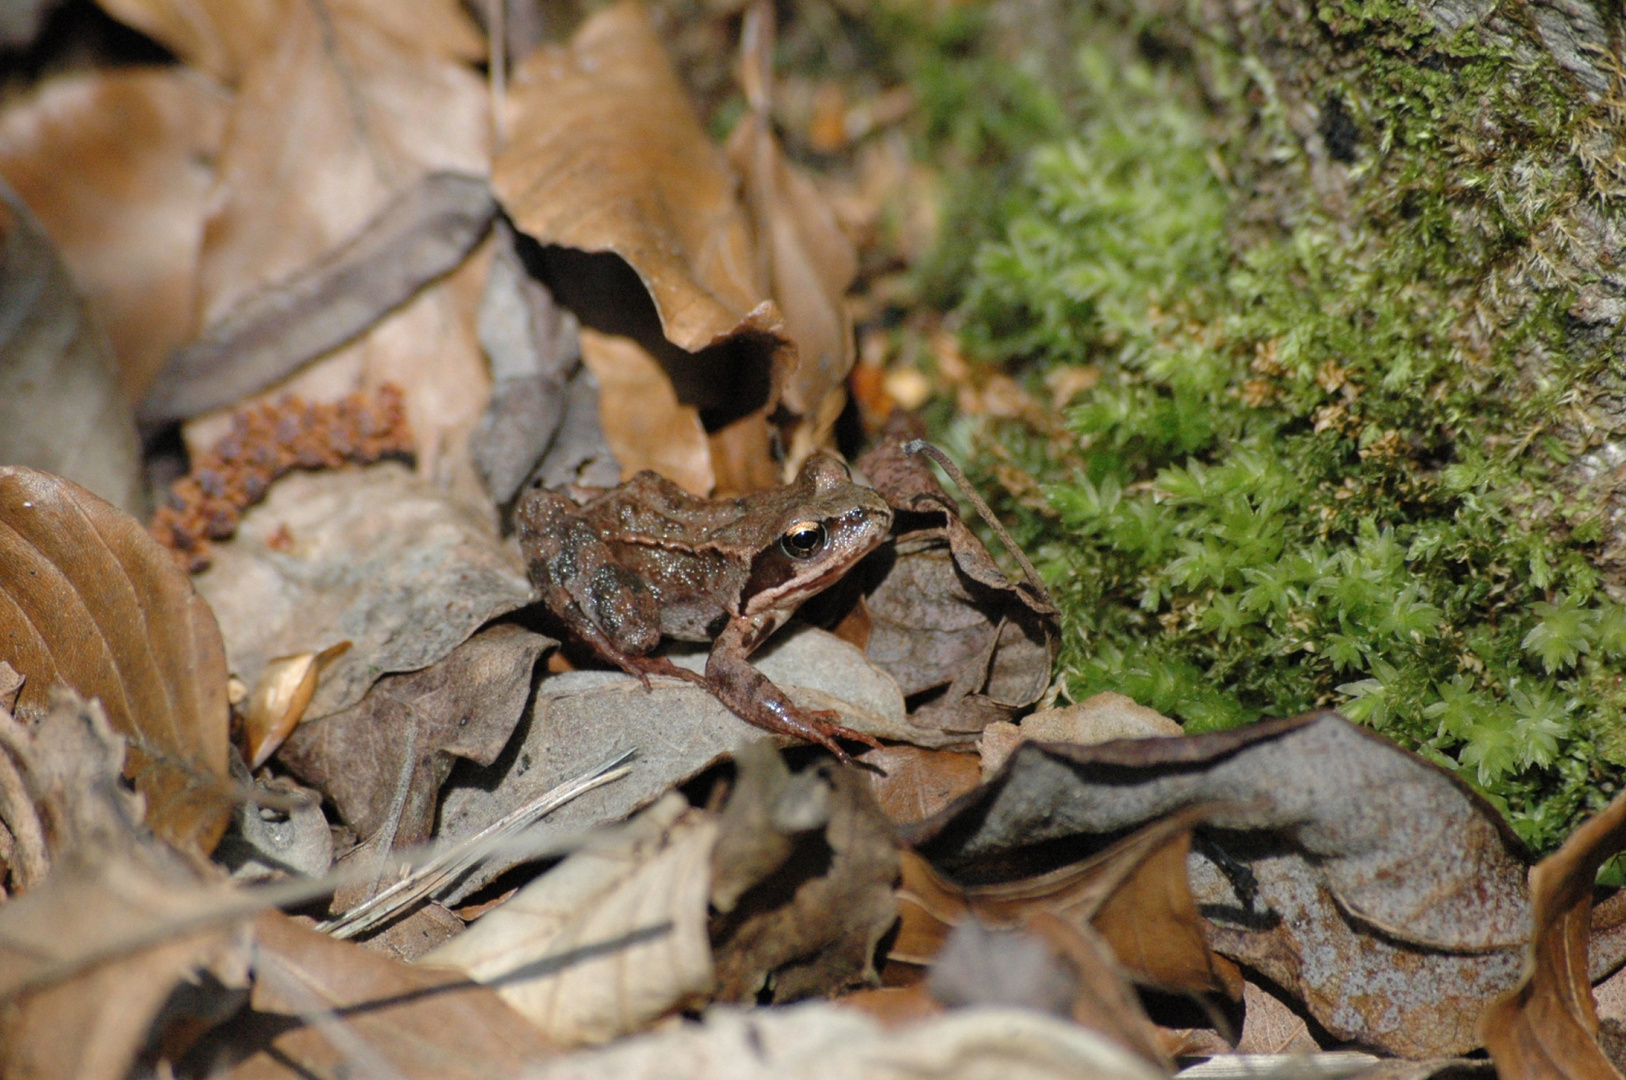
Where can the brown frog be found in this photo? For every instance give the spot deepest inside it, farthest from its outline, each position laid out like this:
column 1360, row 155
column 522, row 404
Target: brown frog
column 648, row 560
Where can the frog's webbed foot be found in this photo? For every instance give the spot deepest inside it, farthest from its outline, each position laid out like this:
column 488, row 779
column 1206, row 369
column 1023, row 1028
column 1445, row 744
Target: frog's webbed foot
column 753, row 697
column 824, row 726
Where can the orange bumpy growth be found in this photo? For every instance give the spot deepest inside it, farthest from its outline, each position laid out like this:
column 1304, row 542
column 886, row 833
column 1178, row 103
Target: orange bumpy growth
column 265, row 442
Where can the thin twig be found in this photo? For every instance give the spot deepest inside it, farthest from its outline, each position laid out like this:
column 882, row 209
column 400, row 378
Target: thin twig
column 242, row 903
column 921, row 446
column 385, row 837
column 450, row 863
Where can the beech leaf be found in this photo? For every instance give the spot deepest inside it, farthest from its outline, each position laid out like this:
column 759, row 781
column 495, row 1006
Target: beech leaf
column 91, row 602
column 609, row 939
column 1373, row 885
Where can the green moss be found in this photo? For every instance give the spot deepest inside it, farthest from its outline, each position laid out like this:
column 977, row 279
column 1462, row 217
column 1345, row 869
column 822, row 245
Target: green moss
column 1319, row 466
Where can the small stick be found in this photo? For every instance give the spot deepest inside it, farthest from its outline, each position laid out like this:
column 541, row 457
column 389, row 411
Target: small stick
column 921, row 446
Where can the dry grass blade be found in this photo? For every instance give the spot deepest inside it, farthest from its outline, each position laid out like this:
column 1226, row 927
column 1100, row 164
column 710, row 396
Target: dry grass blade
column 1546, row 1028
column 78, row 998
column 608, row 940
column 449, row 863
column 90, row 601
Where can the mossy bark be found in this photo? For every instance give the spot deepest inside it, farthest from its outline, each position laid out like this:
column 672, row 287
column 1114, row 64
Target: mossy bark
column 1501, row 124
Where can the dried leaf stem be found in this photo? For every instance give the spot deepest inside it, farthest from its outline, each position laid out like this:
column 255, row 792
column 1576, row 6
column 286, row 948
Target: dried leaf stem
column 921, row 446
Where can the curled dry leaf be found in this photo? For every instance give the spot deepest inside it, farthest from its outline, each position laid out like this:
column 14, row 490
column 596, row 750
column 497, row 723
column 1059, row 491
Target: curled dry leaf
column 420, row 235
column 1098, row 719
column 350, row 110
column 543, row 418
column 89, row 957
column 280, row 699
column 582, row 718
column 1349, row 864
column 463, row 706
column 806, row 259
column 943, row 614
column 812, row 1041
column 810, row 926
column 608, row 940
column 645, row 424
column 60, row 405
column 91, row 602
column 137, row 142
column 369, row 555
column 605, row 160
column 1134, row 895
column 323, row 1007
column 1547, row 1026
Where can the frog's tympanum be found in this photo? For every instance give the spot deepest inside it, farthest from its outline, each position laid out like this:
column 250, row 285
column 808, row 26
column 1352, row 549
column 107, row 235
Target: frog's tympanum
column 648, row 560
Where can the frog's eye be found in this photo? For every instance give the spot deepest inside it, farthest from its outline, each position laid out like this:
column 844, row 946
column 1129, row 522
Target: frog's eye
column 803, row 540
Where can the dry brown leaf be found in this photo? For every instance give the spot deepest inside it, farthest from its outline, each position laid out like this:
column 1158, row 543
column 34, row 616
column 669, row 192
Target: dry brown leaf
column 644, row 423
column 415, row 725
column 137, row 143
column 419, row 236
column 1364, row 880
column 608, row 940
column 816, row 1041
column 91, row 602
column 943, row 613
column 582, row 718
column 1051, row 965
column 323, row 1007
column 348, row 112
column 914, row 783
column 279, row 700
column 89, row 957
column 1270, row 1027
column 370, row 556
column 1547, row 1026
column 1101, row 718
column 328, row 127
column 1134, row 895
column 605, row 159
column 806, row 260
column 811, row 927
column 60, row 405
column 226, row 37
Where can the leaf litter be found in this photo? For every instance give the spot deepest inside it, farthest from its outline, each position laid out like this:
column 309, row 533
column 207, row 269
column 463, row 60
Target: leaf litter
column 304, row 205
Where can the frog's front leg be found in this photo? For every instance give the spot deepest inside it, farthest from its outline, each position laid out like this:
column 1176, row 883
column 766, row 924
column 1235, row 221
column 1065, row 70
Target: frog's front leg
column 753, row 697
column 601, row 601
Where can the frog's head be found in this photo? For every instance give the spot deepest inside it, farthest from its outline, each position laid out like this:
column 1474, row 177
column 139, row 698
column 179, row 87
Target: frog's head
column 824, row 524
